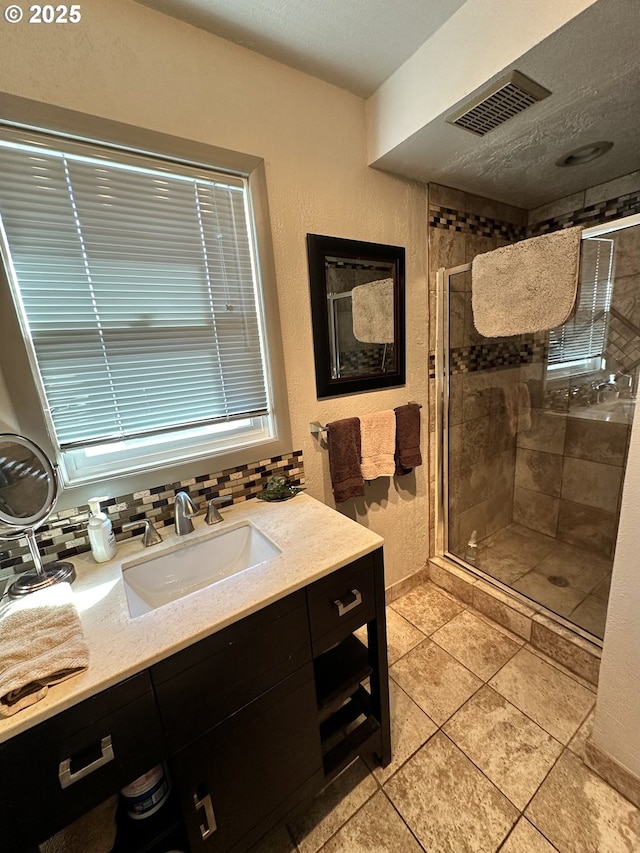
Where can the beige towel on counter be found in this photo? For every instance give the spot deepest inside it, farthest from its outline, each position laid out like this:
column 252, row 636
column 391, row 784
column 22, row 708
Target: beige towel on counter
column 94, row 832
column 530, row 286
column 378, row 444
column 372, row 312
column 41, row 644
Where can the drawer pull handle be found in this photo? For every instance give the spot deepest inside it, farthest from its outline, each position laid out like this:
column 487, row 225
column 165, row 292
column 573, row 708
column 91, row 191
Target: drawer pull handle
column 68, row 777
column 345, row 608
column 209, row 825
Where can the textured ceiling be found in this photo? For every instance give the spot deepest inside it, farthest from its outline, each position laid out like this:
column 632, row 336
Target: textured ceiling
column 591, row 65
column 355, row 44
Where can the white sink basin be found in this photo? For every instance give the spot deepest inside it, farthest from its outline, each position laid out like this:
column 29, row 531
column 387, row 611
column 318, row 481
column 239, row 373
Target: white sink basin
column 154, row 580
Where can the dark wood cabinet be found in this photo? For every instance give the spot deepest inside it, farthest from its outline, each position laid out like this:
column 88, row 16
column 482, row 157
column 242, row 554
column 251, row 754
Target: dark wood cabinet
column 237, row 777
column 250, row 721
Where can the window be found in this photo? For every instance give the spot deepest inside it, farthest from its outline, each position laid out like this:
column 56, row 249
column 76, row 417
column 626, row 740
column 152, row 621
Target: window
column 138, row 291
column 578, row 345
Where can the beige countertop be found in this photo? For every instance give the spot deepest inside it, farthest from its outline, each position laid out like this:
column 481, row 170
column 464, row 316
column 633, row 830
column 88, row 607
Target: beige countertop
column 314, row 540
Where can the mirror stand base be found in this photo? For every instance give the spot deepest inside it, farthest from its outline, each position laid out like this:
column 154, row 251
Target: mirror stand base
column 33, row 581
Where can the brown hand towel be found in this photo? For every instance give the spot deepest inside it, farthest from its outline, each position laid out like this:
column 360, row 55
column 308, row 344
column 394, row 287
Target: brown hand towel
column 408, row 454
column 42, row 644
column 344, row 459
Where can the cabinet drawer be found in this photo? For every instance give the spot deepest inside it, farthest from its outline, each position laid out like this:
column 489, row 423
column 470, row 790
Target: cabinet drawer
column 230, row 669
column 55, row 772
column 341, row 603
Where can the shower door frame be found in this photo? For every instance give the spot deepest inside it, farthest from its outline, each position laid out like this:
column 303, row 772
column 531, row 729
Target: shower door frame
column 442, row 370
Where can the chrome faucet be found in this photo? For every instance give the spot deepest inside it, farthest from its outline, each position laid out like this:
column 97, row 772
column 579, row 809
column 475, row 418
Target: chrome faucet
column 150, row 535
column 185, row 509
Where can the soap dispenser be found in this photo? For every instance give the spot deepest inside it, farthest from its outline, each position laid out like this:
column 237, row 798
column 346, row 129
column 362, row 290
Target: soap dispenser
column 101, row 535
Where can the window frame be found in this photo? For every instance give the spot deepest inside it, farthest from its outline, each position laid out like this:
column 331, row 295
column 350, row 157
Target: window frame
column 15, row 357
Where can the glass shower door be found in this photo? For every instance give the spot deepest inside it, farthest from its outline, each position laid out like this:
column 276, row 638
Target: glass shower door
column 535, row 435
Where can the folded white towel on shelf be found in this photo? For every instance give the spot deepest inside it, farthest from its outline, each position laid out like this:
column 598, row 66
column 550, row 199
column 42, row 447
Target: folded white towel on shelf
column 378, row 444
column 41, row 644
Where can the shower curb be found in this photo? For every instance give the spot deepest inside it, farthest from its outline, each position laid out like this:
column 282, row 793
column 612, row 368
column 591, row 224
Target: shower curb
column 537, row 627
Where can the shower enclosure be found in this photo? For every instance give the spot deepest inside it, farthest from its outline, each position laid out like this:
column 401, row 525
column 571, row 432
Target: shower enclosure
column 535, row 430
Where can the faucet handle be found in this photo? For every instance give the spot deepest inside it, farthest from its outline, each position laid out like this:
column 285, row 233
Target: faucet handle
column 213, row 513
column 150, row 535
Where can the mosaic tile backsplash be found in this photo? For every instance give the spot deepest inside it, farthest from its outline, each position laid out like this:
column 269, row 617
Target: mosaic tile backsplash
column 64, row 536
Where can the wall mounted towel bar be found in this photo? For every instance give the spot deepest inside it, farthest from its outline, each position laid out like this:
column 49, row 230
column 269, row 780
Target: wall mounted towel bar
column 316, row 428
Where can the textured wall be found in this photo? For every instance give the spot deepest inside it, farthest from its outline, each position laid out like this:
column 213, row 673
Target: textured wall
column 616, row 728
column 134, row 65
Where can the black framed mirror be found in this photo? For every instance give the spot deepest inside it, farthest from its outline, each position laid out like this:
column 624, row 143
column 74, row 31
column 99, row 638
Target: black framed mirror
column 358, row 314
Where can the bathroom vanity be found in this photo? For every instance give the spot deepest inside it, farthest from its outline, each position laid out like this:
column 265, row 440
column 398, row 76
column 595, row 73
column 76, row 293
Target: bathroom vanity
column 253, row 713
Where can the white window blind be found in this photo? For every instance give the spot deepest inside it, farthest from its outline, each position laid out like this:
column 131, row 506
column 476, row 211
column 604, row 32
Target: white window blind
column 584, row 335
column 138, row 288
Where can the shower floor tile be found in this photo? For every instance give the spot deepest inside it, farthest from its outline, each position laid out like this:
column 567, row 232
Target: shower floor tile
column 465, row 786
column 591, row 614
column 560, row 599
column 527, row 560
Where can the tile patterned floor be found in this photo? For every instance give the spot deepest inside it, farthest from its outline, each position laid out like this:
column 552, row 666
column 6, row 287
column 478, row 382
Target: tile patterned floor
column 535, row 565
column 488, row 739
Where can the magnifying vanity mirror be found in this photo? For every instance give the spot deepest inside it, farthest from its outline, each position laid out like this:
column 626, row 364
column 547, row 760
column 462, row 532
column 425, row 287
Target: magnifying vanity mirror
column 29, row 488
column 357, row 308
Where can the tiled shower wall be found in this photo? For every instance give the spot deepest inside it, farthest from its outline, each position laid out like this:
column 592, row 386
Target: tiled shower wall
column 483, row 371
column 64, row 535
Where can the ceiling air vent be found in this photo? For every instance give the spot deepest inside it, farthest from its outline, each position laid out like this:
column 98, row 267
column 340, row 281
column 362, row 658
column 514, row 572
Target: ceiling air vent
column 498, row 103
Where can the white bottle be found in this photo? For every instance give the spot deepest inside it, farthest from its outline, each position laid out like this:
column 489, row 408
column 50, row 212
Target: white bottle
column 471, row 555
column 101, row 535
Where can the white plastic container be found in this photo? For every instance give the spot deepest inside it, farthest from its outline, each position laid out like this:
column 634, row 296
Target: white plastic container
column 101, row 535
column 144, row 796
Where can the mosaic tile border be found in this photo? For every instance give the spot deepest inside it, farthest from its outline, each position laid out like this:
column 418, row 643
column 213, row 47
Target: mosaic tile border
column 495, row 356
column 593, row 214
column 461, row 221
column 64, row 536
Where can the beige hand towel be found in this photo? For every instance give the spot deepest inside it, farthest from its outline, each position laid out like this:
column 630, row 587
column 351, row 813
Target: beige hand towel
column 530, row 286
column 372, row 312
column 378, row 444
column 517, row 403
column 41, row 644
column 94, row 832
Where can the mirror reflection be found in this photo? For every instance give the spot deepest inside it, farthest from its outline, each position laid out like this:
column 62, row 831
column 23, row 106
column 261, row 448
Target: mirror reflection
column 24, row 483
column 28, row 493
column 357, row 301
column 361, row 317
